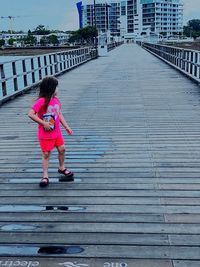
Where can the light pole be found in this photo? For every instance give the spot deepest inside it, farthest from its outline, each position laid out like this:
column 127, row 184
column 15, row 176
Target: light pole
column 95, row 25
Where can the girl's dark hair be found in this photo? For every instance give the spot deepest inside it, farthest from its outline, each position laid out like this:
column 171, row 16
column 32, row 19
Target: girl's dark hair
column 47, row 89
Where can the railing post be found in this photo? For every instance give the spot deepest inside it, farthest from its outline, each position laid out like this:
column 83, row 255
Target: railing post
column 45, row 65
column 71, row 62
column 60, row 60
column 198, row 65
column 67, row 59
column 32, row 70
column 51, row 65
column 3, row 81
column 14, row 71
column 39, row 68
column 191, row 62
column 55, row 63
column 24, row 72
column 64, row 60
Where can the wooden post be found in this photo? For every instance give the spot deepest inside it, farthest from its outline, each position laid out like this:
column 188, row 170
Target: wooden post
column 3, row 81
column 51, row 65
column 55, row 63
column 32, row 70
column 39, row 68
column 24, row 72
column 64, row 59
column 60, row 60
column 67, row 60
column 14, row 71
column 45, row 65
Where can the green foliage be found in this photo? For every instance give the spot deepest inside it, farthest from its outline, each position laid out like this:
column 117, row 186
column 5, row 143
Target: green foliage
column 41, row 30
column 29, row 39
column 2, row 42
column 75, row 37
column 11, row 41
column 53, row 39
column 192, row 29
column 43, row 41
column 84, row 35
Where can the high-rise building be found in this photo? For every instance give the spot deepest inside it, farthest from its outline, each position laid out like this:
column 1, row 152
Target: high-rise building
column 114, row 15
column 163, row 16
column 131, row 18
column 107, row 15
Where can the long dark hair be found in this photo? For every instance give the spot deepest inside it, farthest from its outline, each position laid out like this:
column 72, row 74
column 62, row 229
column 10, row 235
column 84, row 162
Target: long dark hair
column 47, row 89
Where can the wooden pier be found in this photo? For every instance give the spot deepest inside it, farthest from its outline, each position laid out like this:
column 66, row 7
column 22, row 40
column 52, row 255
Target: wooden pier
column 135, row 199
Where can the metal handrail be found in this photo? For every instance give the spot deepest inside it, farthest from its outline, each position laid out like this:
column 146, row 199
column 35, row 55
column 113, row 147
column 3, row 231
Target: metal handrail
column 185, row 60
column 19, row 75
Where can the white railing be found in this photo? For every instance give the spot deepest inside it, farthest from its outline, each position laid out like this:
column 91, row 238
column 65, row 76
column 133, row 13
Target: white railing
column 22, row 74
column 114, row 45
column 185, row 60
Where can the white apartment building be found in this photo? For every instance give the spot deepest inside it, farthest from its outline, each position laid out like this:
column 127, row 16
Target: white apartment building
column 107, row 15
column 131, row 18
column 62, row 37
column 162, row 16
column 16, row 36
column 115, row 16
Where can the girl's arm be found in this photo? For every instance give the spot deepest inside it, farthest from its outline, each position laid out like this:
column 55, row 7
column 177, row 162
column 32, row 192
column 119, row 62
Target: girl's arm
column 65, row 125
column 33, row 115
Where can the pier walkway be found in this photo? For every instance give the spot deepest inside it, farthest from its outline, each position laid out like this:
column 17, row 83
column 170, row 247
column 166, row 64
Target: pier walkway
column 135, row 199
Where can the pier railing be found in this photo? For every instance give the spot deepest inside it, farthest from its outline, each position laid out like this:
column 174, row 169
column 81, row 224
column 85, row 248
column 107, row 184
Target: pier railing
column 19, row 75
column 113, row 45
column 185, row 60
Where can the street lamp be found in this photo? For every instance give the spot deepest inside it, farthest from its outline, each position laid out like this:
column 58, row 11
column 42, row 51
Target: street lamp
column 95, row 25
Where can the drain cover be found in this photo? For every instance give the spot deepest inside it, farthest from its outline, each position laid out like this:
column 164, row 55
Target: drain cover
column 60, row 250
column 65, row 208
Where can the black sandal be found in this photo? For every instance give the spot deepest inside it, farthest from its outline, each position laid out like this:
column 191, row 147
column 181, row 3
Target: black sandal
column 44, row 182
column 69, row 174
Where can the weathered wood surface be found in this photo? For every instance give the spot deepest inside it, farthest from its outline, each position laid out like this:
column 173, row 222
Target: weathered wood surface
column 135, row 200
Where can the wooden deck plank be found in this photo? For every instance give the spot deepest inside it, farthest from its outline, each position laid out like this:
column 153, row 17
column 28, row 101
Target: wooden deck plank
column 95, row 227
column 97, row 262
column 86, row 238
column 136, row 157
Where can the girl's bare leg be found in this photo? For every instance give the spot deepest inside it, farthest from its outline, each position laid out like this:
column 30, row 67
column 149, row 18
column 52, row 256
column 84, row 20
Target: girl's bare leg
column 61, row 157
column 45, row 163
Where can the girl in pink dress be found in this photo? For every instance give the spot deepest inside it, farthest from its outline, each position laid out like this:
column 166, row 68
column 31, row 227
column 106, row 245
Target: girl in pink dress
column 47, row 113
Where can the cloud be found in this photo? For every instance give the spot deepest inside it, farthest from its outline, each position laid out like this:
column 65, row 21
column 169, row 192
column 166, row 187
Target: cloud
column 191, row 10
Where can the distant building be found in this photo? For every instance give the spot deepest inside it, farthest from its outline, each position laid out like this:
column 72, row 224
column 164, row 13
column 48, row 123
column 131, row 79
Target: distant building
column 15, row 36
column 108, row 15
column 131, row 18
column 62, row 37
column 163, row 16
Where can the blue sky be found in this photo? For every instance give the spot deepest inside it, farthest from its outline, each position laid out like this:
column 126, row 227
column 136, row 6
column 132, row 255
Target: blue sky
column 60, row 14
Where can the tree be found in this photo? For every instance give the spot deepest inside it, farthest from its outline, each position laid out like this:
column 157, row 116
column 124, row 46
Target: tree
column 2, row 42
column 89, row 33
column 29, row 39
column 44, row 41
column 41, row 30
column 84, row 35
column 53, row 39
column 75, row 37
column 192, row 29
column 11, row 41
